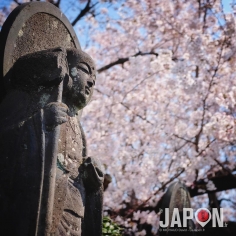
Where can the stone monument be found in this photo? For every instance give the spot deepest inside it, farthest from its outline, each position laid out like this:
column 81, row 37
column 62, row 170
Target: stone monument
column 48, row 184
column 176, row 196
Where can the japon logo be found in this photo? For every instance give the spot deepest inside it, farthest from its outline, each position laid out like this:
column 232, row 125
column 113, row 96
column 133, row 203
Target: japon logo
column 202, row 216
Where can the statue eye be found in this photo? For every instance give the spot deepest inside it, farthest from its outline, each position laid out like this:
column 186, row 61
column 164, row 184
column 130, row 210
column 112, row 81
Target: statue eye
column 84, row 68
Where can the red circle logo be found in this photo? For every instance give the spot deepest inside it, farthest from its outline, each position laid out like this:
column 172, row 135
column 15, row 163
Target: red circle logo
column 203, row 215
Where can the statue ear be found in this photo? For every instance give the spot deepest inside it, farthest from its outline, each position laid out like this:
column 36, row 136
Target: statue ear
column 67, row 82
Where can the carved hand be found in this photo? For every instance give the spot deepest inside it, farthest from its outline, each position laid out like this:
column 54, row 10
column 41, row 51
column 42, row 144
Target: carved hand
column 93, row 173
column 55, row 113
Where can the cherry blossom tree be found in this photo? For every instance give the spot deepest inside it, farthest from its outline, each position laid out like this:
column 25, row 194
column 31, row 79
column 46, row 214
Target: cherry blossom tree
column 164, row 103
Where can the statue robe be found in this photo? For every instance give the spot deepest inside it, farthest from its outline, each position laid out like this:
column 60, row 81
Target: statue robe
column 22, row 150
column 20, row 164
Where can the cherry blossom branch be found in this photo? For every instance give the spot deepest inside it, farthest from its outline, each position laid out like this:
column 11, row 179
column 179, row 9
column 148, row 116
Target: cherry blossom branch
column 224, row 168
column 136, row 114
column 121, row 61
column 226, row 199
column 98, row 90
column 83, row 12
column 223, row 182
column 207, row 146
column 197, row 137
column 181, row 146
column 57, row 4
column 17, row 2
column 187, row 141
column 156, row 192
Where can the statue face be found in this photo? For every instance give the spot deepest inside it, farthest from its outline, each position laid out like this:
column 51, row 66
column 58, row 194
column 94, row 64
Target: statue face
column 82, row 73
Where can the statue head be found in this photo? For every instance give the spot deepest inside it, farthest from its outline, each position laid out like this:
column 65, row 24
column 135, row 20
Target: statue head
column 82, row 76
column 47, row 68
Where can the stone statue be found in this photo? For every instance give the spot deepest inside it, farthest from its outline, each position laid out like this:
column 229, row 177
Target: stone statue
column 48, row 184
column 78, row 177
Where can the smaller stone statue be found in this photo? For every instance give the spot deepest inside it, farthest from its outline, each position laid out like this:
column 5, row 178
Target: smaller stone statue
column 176, row 196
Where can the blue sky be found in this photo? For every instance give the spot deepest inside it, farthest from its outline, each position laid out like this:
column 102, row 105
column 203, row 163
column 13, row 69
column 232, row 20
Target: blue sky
column 226, row 4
